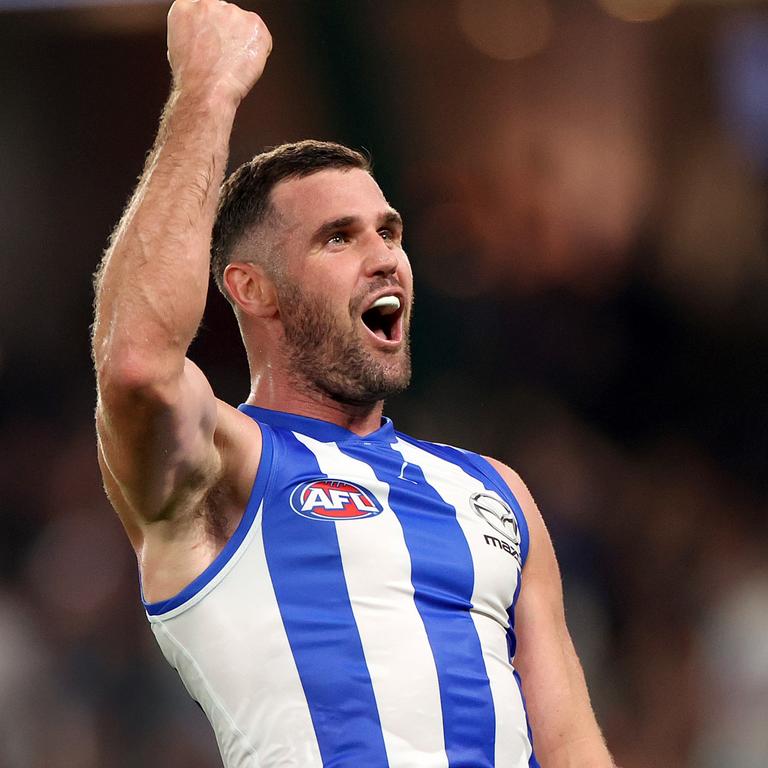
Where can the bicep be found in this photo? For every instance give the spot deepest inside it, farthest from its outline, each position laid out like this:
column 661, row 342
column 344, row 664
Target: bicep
column 553, row 683
column 557, row 700
column 156, row 443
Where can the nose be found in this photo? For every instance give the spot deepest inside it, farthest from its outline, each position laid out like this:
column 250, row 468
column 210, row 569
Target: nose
column 381, row 257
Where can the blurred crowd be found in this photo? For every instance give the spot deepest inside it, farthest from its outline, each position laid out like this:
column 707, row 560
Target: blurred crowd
column 585, row 205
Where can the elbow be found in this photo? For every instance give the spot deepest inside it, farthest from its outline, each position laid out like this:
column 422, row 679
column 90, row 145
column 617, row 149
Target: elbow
column 126, row 379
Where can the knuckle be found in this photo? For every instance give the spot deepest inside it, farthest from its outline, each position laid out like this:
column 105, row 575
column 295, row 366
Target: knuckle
column 256, row 20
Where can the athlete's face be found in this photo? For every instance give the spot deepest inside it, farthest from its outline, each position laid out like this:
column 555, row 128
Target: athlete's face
column 346, row 291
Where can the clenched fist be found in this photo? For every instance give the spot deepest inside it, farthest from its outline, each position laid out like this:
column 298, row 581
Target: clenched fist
column 215, row 47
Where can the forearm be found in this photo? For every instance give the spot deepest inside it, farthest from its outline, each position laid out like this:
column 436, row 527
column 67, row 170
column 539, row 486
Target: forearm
column 152, row 284
column 587, row 752
column 570, row 737
column 565, row 731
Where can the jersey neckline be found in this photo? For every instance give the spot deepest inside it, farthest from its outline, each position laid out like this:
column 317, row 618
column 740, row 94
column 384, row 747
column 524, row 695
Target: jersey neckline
column 325, row 431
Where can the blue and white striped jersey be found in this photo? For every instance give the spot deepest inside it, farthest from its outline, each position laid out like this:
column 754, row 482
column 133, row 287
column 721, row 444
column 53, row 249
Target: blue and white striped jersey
column 362, row 615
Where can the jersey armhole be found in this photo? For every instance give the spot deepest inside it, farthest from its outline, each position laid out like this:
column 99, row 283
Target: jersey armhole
column 216, row 571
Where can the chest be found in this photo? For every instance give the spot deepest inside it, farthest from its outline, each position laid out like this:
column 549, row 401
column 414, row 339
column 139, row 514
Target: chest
column 373, row 523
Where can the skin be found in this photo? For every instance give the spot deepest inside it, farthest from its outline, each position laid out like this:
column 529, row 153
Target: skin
column 178, row 463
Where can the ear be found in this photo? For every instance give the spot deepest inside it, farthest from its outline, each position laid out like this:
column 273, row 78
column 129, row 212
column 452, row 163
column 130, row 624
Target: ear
column 251, row 288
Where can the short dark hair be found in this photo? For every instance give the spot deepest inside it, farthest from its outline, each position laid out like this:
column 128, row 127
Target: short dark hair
column 244, row 202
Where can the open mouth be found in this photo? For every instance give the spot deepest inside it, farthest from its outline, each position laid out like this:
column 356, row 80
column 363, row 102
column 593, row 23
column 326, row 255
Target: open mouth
column 384, row 319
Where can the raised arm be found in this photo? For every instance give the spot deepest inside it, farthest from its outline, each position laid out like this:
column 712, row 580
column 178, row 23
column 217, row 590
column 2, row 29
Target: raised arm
column 156, row 416
column 565, row 732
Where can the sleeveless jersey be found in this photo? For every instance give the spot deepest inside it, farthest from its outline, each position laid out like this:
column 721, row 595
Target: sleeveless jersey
column 362, row 614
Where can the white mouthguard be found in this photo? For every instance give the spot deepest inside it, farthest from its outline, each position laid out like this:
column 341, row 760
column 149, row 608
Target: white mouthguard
column 388, row 304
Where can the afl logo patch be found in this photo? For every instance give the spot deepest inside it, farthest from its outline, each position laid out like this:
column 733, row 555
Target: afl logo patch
column 330, row 499
column 498, row 515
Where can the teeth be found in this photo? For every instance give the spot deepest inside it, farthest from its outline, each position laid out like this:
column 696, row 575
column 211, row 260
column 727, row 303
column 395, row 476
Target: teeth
column 387, row 304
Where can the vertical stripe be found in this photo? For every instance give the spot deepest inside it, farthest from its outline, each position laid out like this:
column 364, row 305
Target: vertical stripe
column 286, row 732
column 306, row 569
column 443, row 579
column 377, row 568
column 454, row 486
column 532, row 761
column 212, row 646
column 483, row 471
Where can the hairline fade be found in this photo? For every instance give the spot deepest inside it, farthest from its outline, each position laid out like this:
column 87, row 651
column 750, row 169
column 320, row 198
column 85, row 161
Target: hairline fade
column 245, row 198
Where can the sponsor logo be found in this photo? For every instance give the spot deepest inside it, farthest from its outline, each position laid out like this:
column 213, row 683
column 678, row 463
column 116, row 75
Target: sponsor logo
column 330, row 499
column 494, row 542
column 497, row 513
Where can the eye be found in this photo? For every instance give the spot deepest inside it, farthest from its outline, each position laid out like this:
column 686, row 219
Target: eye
column 388, row 234
column 338, row 238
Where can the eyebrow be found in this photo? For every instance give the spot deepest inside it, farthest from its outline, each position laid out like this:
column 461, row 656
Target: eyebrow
column 393, row 218
column 388, row 219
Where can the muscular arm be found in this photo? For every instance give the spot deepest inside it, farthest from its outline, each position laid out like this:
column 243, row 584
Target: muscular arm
column 565, row 732
column 156, row 414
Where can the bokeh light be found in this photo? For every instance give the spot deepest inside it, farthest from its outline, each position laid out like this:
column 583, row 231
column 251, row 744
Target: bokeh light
column 638, row 10
column 506, row 29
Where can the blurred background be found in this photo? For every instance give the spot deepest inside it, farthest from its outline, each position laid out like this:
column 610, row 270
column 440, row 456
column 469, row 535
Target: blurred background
column 584, row 189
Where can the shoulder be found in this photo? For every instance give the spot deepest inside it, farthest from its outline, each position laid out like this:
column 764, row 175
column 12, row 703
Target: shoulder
column 513, row 480
column 537, row 531
column 450, row 453
column 492, row 470
column 494, row 480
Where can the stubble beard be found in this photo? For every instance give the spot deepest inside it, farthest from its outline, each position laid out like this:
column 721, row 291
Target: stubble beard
column 326, row 358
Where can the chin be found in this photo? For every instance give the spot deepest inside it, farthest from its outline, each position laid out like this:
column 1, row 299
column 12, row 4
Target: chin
column 372, row 382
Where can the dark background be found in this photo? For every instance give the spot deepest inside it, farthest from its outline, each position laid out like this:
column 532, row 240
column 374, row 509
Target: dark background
column 584, row 190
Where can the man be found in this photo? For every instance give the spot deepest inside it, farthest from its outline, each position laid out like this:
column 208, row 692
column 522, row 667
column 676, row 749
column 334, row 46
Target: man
column 362, row 601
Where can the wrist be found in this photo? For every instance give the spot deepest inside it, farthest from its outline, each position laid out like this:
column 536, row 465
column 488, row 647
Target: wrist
column 213, row 101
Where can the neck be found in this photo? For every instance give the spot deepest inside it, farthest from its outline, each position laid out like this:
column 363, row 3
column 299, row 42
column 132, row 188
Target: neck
column 271, row 388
